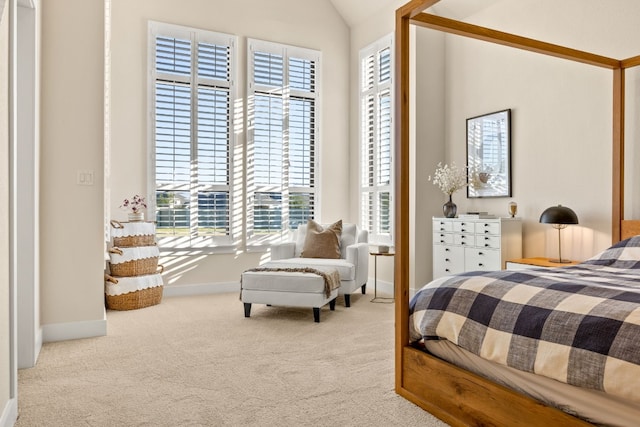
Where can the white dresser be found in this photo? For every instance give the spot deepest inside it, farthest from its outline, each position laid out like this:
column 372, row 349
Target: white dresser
column 469, row 244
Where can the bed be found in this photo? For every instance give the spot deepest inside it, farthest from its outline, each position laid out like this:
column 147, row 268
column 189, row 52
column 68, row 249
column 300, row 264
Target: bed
column 450, row 382
column 576, row 326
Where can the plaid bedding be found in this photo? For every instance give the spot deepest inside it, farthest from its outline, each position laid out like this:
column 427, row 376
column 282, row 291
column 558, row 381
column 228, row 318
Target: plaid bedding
column 579, row 324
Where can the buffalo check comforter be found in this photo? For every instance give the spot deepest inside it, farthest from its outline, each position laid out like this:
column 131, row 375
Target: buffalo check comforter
column 579, row 324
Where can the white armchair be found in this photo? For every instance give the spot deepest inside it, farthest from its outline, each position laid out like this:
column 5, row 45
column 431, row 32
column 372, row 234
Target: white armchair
column 353, row 265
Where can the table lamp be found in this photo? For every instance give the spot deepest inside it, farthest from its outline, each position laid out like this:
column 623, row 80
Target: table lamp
column 559, row 216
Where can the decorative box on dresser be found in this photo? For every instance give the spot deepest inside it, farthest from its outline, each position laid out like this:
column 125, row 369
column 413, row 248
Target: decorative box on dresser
column 470, row 244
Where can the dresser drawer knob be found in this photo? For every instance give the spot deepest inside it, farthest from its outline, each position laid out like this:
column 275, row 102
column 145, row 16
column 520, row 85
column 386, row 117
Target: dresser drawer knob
column 447, row 259
column 480, row 253
column 446, row 269
column 486, row 245
column 480, row 264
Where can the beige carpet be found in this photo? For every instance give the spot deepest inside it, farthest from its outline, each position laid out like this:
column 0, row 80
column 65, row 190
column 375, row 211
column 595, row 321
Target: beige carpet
column 196, row 361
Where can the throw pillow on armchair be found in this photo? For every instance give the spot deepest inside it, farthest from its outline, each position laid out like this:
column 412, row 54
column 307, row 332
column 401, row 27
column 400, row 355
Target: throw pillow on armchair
column 322, row 242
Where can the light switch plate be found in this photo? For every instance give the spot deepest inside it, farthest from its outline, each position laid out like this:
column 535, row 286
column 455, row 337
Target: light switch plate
column 85, row 177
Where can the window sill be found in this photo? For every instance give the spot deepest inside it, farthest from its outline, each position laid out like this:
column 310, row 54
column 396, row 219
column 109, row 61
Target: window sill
column 256, row 248
column 212, row 250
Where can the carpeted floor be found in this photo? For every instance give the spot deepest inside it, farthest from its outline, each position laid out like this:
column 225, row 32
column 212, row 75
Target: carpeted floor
column 196, row 361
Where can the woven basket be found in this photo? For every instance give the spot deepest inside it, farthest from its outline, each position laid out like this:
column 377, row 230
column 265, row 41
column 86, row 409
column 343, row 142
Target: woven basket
column 136, row 267
column 131, row 241
column 134, row 300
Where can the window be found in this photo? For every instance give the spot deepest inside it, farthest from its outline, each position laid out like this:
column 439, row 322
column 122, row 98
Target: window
column 376, row 136
column 282, row 137
column 192, row 96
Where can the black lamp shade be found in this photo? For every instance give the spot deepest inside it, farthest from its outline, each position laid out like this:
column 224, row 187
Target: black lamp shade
column 559, row 215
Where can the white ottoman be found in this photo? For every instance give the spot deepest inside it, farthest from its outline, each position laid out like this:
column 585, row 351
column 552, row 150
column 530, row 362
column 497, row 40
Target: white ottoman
column 287, row 289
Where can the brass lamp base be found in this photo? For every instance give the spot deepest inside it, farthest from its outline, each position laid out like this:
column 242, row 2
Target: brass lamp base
column 561, row 261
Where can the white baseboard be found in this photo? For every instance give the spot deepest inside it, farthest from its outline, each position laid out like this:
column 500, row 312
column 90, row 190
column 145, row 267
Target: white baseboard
column 200, row 289
column 98, row 328
column 9, row 414
column 74, row 330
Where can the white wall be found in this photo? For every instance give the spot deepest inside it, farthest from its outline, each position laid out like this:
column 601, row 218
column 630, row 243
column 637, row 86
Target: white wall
column 310, row 24
column 561, row 117
column 430, row 119
column 561, row 138
column 561, row 122
column 72, row 242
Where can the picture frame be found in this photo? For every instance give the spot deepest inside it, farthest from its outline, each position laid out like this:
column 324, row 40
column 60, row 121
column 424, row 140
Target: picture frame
column 489, row 155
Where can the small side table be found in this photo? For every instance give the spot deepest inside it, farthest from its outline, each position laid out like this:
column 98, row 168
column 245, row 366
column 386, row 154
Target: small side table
column 375, row 277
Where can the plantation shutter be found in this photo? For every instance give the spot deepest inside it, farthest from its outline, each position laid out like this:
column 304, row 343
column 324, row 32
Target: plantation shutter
column 214, row 138
column 301, row 161
column 192, row 135
column 376, row 162
column 302, row 138
column 282, row 139
column 173, row 133
column 384, row 163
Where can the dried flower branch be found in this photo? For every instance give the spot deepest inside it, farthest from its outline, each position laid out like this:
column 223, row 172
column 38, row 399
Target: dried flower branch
column 449, row 178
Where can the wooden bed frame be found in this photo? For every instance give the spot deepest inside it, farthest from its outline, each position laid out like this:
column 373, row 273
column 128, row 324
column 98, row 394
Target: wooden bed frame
column 452, row 394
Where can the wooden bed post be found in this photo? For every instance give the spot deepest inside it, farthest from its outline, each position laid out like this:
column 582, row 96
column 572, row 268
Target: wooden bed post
column 617, row 193
column 401, row 265
column 402, row 235
column 625, row 228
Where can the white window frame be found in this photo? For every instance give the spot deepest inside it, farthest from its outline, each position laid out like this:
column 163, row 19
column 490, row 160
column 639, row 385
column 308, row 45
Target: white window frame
column 376, row 236
column 257, row 241
column 193, row 240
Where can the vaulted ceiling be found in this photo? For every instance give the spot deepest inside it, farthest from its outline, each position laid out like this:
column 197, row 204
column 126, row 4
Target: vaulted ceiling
column 607, row 39
column 356, row 11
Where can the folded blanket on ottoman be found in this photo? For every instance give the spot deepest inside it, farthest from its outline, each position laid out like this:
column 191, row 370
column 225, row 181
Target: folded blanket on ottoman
column 331, row 277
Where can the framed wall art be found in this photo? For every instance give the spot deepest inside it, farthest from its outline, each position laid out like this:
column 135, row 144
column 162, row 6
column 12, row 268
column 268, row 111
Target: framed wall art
column 489, row 155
